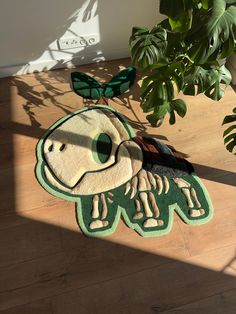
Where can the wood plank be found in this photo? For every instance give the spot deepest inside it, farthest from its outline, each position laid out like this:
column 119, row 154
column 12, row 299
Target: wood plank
column 40, row 307
column 218, row 304
column 109, row 266
column 221, row 230
column 27, row 241
column 153, row 290
column 40, row 222
column 81, row 261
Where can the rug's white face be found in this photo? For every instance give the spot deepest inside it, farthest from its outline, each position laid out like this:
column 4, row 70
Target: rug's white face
column 72, row 153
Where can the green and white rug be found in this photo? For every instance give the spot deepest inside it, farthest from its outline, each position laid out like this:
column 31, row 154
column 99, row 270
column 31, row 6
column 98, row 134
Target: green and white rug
column 92, row 157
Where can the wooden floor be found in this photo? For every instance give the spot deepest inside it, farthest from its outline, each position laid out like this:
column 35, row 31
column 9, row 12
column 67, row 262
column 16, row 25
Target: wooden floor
column 48, row 267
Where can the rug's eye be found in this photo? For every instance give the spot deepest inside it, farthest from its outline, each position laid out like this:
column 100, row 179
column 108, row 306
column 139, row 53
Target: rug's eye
column 102, row 146
column 62, row 147
column 50, row 148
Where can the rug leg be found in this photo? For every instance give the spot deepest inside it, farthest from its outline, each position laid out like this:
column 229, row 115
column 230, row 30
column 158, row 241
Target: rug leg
column 99, row 223
column 190, row 196
column 199, row 211
column 151, row 213
column 107, row 220
column 138, row 214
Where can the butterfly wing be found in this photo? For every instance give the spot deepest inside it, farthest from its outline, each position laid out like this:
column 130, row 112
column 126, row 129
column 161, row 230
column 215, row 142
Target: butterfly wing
column 86, row 86
column 120, row 83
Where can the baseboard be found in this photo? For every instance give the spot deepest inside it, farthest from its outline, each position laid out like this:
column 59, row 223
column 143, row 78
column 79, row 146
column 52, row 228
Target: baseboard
column 45, row 65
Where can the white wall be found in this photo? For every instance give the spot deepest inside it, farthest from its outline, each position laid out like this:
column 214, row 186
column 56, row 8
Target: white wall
column 29, row 30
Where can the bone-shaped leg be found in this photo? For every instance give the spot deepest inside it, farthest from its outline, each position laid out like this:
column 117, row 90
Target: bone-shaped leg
column 159, row 183
column 151, row 179
column 186, row 193
column 97, row 224
column 166, row 183
column 181, row 183
column 104, row 207
column 196, row 212
column 184, row 186
column 194, row 195
column 143, row 179
column 134, row 187
column 154, row 205
column 127, row 188
column 153, row 222
column 138, row 214
column 150, row 222
column 147, row 209
column 95, row 211
column 190, row 193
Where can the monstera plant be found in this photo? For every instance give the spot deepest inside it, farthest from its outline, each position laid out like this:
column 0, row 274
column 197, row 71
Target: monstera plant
column 185, row 53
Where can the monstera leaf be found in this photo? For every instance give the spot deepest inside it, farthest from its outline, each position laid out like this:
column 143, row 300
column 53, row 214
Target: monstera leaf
column 147, row 47
column 173, row 106
column 158, row 92
column 178, row 106
column 175, row 8
column 213, row 35
column 201, row 77
column 230, row 132
column 179, row 12
column 158, row 97
column 215, row 92
column 206, row 79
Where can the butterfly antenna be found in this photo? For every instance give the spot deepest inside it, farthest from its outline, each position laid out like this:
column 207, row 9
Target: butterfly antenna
column 102, row 101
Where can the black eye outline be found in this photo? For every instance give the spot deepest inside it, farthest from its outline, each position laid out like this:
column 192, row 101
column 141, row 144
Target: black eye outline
column 62, row 147
column 50, row 148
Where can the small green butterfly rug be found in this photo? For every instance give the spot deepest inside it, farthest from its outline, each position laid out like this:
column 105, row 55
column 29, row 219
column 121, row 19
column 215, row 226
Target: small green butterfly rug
column 93, row 157
column 89, row 88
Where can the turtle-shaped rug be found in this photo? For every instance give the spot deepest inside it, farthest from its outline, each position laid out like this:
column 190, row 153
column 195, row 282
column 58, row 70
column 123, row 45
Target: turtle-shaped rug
column 93, row 158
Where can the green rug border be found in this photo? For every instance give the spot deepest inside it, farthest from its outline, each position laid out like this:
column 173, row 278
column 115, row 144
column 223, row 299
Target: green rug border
column 121, row 212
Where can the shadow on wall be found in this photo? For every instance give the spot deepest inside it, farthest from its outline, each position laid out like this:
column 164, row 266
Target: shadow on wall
column 36, row 25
